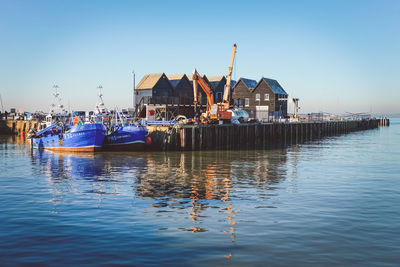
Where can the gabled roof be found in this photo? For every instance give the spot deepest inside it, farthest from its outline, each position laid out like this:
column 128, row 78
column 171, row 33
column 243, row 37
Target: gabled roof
column 174, row 79
column 249, row 83
column 149, row 81
column 215, row 78
column 175, row 76
column 215, row 81
column 275, row 86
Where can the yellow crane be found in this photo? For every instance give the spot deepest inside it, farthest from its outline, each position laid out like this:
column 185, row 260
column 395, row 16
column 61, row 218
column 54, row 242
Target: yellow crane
column 220, row 110
column 226, row 99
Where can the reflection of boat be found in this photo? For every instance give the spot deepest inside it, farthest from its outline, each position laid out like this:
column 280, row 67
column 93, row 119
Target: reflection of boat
column 93, row 166
column 86, row 137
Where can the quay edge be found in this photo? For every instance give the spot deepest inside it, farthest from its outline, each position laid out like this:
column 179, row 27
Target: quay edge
column 229, row 136
column 251, row 136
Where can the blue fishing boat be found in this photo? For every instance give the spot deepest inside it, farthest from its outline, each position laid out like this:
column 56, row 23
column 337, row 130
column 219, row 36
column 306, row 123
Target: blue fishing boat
column 126, row 137
column 120, row 135
column 61, row 134
column 61, row 137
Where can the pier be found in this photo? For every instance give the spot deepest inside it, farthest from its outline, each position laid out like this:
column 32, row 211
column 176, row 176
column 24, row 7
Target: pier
column 252, row 136
column 231, row 136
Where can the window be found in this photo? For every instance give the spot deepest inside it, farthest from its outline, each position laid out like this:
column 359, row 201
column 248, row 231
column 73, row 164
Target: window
column 266, row 97
column 257, row 97
column 246, row 102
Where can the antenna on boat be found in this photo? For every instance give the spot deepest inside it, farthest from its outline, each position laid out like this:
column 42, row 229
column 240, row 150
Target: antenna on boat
column 134, row 88
column 57, row 100
column 55, row 94
column 100, row 105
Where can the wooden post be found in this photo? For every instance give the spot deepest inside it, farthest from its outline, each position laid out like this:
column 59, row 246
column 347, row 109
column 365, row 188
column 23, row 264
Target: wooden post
column 200, row 137
column 194, row 138
column 247, row 136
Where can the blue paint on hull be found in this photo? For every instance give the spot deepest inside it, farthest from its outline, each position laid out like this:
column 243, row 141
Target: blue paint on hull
column 86, row 137
column 127, row 137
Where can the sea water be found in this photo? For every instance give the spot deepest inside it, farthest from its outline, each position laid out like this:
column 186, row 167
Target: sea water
column 330, row 202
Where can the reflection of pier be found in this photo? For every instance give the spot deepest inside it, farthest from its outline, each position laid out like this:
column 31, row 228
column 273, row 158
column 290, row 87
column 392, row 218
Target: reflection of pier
column 205, row 174
column 200, row 181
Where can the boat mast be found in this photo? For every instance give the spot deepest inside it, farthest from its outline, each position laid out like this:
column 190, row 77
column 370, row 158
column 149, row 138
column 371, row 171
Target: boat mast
column 57, row 102
column 100, row 105
column 134, row 92
column 53, row 104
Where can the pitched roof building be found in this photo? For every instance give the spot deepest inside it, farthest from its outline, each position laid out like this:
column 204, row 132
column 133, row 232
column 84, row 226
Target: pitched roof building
column 174, row 79
column 153, row 85
column 263, row 100
column 217, row 84
column 183, row 88
column 242, row 91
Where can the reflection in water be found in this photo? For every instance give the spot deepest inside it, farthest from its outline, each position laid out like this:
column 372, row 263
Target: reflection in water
column 13, row 141
column 192, row 182
column 59, row 165
column 66, row 172
column 208, row 180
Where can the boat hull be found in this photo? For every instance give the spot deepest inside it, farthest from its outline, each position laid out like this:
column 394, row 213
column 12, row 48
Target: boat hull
column 87, row 137
column 128, row 138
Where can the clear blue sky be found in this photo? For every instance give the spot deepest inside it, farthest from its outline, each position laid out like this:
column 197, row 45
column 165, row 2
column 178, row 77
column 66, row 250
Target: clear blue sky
column 336, row 56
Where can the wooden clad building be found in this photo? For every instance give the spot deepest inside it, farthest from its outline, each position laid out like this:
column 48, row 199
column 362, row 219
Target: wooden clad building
column 272, row 90
column 263, row 100
column 242, row 94
column 154, row 85
column 217, row 84
column 183, row 88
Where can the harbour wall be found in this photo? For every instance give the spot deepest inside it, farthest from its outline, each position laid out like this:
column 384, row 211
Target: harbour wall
column 251, row 136
column 230, row 136
column 17, row 126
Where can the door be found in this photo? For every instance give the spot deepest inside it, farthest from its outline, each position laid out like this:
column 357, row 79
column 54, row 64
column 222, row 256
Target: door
column 262, row 113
